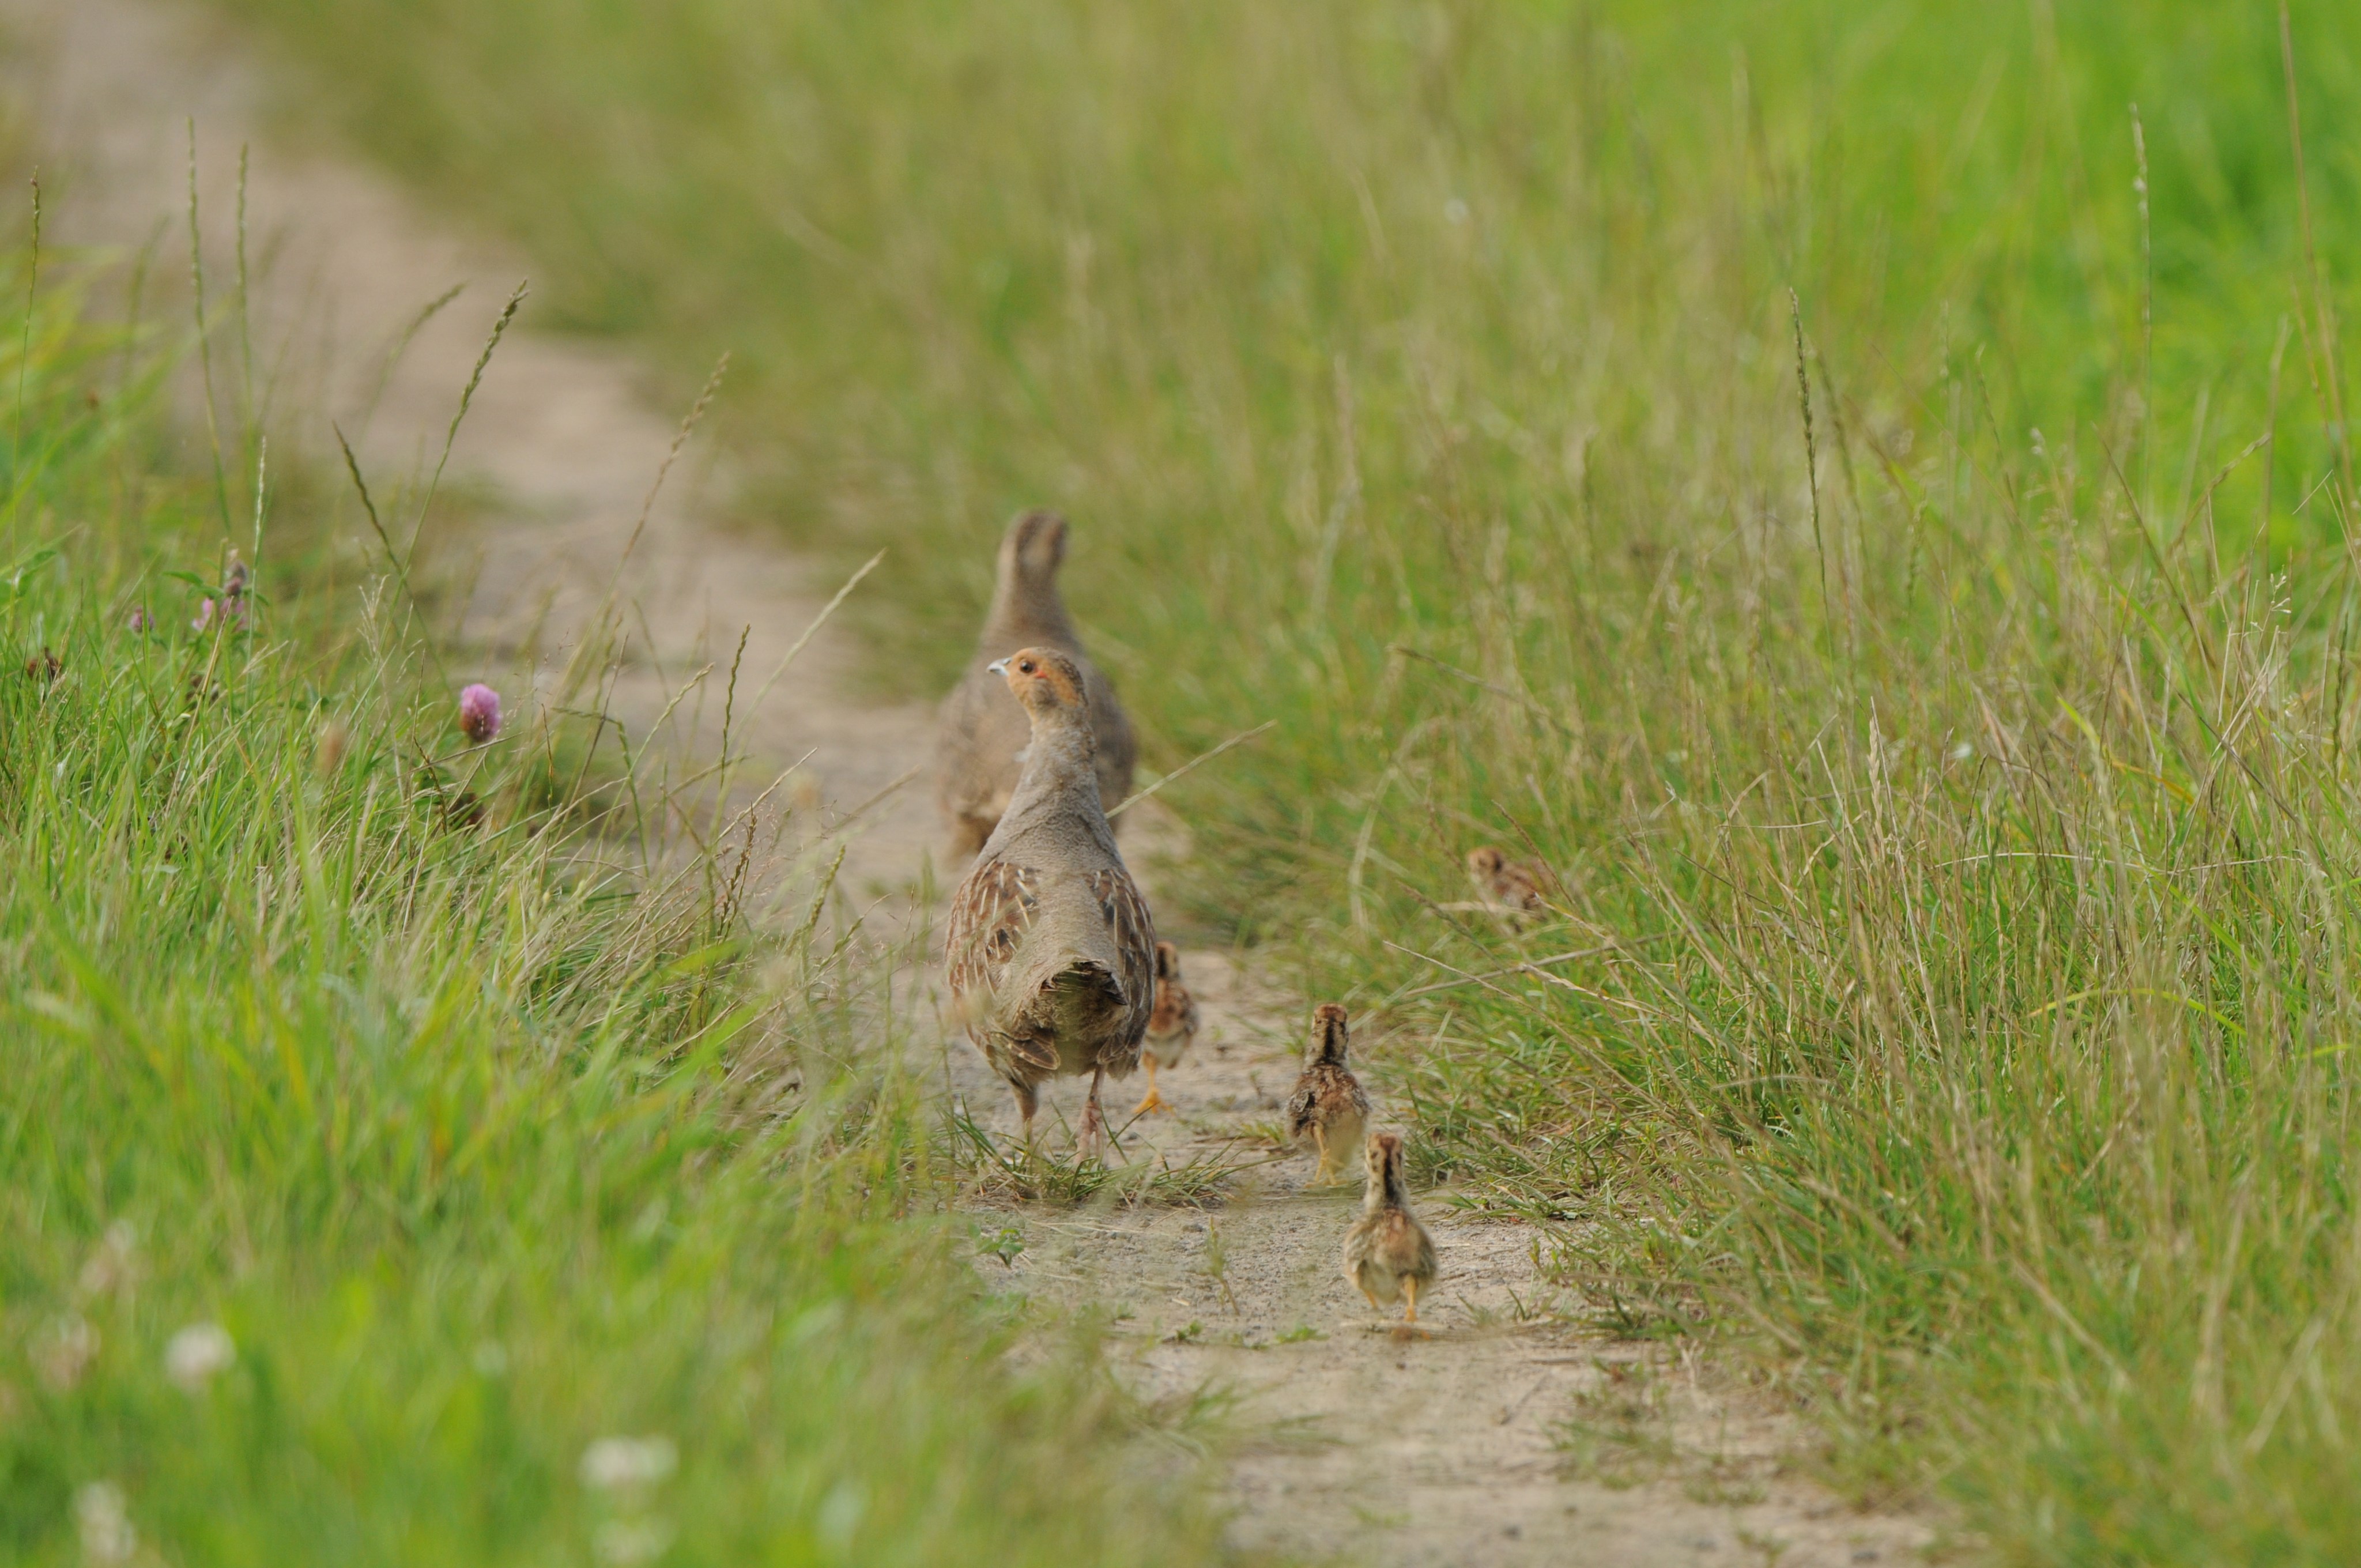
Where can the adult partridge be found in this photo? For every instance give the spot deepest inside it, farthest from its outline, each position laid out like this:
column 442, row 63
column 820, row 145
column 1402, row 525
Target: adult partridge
column 1050, row 948
column 981, row 730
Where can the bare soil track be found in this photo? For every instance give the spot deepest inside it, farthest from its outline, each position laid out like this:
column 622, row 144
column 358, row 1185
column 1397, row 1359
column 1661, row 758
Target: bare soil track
column 1447, row 1449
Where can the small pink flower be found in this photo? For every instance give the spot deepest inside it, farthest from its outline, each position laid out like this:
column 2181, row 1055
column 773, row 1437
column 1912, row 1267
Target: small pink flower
column 139, row 622
column 227, row 612
column 479, row 713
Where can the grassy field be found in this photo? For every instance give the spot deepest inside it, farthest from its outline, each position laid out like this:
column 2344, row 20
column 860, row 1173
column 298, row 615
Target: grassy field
column 1952, row 834
column 391, row 1173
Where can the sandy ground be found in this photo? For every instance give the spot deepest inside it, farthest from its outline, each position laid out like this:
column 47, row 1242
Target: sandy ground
column 1453, row 1448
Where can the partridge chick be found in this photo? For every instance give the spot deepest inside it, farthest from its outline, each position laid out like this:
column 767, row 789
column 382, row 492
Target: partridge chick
column 1511, row 888
column 981, row 730
column 1050, row 948
column 1327, row 1107
column 1388, row 1254
column 1169, row 1028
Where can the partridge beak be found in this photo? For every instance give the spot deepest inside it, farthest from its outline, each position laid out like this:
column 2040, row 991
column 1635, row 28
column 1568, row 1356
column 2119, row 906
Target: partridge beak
column 998, row 666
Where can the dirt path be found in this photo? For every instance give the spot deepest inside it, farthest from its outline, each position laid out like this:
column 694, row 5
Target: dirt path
column 1448, row 1450
column 559, row 433
column 1443, row 1449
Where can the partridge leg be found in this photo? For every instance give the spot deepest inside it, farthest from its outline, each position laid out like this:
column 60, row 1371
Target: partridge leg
column 1154, row 1100
column 1093, row 1123
column 1410, row 1288
column 1026, row 1103
column 1320, row 1138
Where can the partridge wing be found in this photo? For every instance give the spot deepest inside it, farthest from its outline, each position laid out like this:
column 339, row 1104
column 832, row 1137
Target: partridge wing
column 989, row 917
column 1135, row 941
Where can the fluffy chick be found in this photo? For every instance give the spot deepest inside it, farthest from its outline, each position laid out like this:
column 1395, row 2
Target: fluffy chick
column 1171, row 1028
column 1328, row 1109
column 1510, row 889
column 1388, row 1254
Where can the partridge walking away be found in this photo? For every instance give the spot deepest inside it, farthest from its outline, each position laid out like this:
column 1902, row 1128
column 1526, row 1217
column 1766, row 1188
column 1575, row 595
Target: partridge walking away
column 1328, row 1109
column 1050, row 949
column 1388, row 1254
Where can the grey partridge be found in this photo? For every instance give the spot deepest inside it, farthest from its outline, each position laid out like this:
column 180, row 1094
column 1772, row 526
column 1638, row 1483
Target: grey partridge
column 981, row 729
column 1388, row 1254
column 1050, row 948
column 1169, row 1028
column 1328, row 1109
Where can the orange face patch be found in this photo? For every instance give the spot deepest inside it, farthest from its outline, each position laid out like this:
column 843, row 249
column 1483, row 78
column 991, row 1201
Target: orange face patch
column 1047, row 672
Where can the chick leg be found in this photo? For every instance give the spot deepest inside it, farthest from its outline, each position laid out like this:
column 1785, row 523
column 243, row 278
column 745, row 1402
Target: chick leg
column 1153, row 1100
column 1410, row 1289
column 1320, row 1138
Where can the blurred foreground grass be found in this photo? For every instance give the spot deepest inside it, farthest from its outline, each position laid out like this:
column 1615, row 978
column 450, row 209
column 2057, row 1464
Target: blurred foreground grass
column 389, row 1173
column 1954, row 839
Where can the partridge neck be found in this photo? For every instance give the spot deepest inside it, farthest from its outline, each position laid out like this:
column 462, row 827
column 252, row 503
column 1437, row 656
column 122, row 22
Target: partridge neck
column 1025, row 608
column 1059, row 773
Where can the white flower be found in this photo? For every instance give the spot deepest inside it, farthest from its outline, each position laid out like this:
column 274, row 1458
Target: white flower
column 1454, row 211
column 197, row 1353
column 623, row 1542
column 64, row 1351
column 106, row 1521
column 613, row 1463
column 1963, row 752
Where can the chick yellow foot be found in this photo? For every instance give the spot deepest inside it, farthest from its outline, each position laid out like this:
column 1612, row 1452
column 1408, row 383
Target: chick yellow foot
column 1324, row 1173
column 1410, row 1328
column 1154, row 1100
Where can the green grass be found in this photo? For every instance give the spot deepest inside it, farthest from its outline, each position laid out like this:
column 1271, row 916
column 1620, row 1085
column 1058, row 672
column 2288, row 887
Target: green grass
column 1963, row 841
column 480, row 1145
